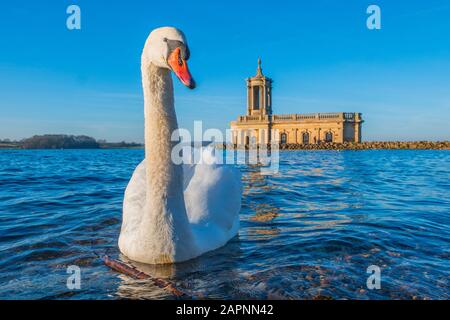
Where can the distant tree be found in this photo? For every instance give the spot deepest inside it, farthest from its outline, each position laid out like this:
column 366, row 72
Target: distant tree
column 59, row 141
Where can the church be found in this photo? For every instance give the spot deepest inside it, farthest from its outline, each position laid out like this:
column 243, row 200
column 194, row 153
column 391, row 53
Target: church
column 261, row 126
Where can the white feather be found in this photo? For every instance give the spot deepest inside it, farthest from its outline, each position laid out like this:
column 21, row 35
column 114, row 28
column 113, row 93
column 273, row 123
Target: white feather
column 173, row 213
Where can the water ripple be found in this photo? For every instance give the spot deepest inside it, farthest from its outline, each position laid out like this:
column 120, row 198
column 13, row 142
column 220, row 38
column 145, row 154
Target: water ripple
column 308, row 232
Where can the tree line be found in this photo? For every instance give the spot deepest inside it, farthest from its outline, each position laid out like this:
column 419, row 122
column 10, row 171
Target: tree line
column 64, row 141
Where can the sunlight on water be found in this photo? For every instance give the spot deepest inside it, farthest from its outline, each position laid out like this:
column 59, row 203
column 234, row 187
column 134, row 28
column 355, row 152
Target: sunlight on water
column 309, row 232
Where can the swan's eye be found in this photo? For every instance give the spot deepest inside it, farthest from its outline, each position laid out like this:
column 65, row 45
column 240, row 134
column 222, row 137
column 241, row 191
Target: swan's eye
column 180, row 61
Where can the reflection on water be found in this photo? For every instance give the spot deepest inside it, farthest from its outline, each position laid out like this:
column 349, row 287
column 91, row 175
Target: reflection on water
column 308, row 232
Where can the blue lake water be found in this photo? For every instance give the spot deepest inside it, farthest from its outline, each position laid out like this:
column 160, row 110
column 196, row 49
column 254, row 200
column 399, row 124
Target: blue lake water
column 308, row 232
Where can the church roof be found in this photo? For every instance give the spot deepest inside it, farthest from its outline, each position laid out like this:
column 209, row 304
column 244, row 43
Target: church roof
column 259, row 73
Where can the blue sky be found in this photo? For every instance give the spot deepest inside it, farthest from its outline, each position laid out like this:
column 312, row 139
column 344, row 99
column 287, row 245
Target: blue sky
column 319, row 53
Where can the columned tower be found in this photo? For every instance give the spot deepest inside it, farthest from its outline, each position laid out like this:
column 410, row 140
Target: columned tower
column 260, row 126
column 259, row 93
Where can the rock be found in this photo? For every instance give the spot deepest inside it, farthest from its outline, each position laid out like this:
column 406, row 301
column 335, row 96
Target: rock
column 372, row 145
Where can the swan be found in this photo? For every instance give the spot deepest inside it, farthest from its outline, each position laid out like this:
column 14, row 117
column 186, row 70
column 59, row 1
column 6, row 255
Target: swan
column 174, row 212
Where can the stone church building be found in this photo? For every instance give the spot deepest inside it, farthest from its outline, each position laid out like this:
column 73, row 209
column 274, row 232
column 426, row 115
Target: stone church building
column 261, row 126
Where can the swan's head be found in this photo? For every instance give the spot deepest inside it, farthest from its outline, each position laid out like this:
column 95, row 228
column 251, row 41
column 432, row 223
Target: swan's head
column 166, row 47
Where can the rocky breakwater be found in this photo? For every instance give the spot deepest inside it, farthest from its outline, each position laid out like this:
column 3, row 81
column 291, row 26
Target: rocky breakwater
column 372, row 145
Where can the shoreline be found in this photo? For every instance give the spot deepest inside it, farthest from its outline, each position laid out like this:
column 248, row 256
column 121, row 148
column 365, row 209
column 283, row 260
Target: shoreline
column 102, row 148
column 371, row 145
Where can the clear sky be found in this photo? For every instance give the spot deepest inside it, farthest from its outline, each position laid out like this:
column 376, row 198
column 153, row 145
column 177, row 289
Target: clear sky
column 319, row 53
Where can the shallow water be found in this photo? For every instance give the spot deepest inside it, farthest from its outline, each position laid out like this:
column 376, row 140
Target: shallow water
column 308, row 232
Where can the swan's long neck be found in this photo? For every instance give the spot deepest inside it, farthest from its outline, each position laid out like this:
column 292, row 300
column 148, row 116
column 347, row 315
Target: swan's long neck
column 160, row 122
column 165, row 208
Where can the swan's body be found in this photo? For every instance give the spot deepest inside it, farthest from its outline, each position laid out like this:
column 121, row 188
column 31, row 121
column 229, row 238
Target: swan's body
column 171, row 212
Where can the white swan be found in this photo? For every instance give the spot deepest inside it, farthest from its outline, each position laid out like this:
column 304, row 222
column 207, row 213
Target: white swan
column 174, row 213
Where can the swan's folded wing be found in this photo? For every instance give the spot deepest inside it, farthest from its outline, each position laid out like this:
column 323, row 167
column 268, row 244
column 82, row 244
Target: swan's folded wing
column 134, row 200
column 213, row 195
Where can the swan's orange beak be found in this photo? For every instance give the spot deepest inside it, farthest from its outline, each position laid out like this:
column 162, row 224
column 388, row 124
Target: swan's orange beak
column 180, row 68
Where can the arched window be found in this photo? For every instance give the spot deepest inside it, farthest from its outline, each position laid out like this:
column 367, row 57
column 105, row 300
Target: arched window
column 256, row 98
column 283, row 138
column 305, row 138
column 329, row 136
column 247, row 140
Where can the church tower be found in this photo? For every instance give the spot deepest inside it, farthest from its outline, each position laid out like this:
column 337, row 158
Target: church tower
column 259, row 94
column 259, row 126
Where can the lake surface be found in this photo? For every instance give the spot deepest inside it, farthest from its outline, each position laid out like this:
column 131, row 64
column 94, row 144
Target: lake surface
column 311, row 231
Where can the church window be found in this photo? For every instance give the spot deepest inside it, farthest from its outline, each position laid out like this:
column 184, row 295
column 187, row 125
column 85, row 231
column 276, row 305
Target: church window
column 256, row 98
column 305, row 138
column 283, row 138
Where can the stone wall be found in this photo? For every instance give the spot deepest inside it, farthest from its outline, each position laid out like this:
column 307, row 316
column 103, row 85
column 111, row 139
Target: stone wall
column 432, row 145
column 373, row 145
